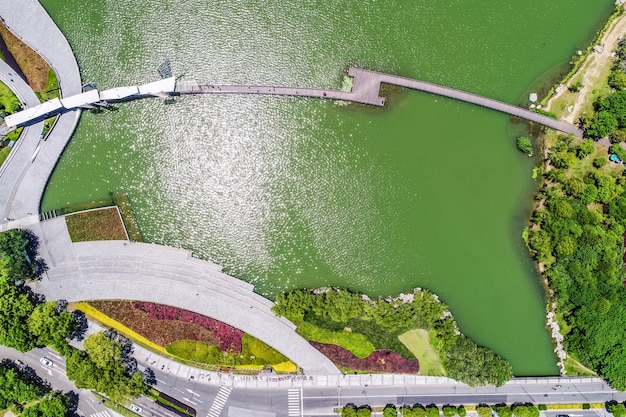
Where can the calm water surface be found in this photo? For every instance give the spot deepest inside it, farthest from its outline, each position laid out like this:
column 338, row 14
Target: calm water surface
column 289, row 193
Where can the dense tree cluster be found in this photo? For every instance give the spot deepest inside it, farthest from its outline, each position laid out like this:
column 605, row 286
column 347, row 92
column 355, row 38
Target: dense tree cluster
column 15, row 261
column 27, row 321
column 610, row 111
column 22, row 388
column 462, row 358
column 107, row 367
column 578, row 236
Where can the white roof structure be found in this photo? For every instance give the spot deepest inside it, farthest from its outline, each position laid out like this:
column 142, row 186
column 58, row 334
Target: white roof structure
column 32, row 113
column 166, row 85
column 119, row 93
column 80, row 100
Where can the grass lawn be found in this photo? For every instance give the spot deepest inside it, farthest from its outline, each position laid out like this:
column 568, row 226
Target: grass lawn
column 254, row 354
column 4, row 153
column 51, row 89
column 356, row 343
column 417, row 341
column 104, row 224
column 574, row 367
column 9, row 102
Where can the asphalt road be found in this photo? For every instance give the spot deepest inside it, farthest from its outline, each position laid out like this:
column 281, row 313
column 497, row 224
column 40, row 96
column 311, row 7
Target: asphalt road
column 88, row 405
column 319, row 401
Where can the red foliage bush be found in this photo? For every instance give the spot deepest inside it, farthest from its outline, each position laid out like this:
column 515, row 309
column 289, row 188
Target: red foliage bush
column 384, row 361
column 229, row 336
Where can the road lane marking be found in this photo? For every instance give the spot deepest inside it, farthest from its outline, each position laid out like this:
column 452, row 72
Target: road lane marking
column 294, row 402
column 219, row 402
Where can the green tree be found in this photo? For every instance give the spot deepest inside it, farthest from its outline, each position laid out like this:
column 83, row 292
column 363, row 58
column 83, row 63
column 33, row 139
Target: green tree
column 484, row 410
column 15, row 309
column 53, row 405
column 599, row 162
column 50, row 326
column 584, row 149
column 432, row 410
column 525, row 145
column 617, row 79
column 503, row 410
column 461, row 411
column 390, row 411
column 618, row 410
column 14, row 264
column 603, row 124
column 364, row 411
column 449, row 410
column 103, row 350
column 349, row 410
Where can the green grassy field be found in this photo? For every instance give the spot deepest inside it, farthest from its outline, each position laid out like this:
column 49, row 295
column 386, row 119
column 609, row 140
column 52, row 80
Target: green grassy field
column 417, row 341
column 9, row 102
column 356, row 343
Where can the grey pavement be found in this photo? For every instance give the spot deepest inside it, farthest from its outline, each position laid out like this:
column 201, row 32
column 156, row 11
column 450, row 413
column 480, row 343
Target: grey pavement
column 109, row 270
column 26, row 174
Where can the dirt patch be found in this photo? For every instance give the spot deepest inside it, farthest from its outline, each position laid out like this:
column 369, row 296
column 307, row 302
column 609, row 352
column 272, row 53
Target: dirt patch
column 593, row 70
column 32, row 65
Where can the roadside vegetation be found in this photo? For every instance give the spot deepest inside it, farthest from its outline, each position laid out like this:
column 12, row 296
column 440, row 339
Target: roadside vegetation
column 577, row 236
column 28, row 321
column 383, row 322
column 26, row 395
column 187, row 336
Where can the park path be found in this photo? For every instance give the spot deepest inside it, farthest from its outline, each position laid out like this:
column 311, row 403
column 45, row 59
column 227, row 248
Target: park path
column 25, row 175
column 121, row 270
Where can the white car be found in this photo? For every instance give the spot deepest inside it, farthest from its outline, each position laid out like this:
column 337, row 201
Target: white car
column 46, row 361
column 136, row 408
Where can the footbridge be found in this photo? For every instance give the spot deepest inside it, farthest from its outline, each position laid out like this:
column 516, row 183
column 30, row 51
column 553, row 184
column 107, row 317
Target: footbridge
column 365, row 90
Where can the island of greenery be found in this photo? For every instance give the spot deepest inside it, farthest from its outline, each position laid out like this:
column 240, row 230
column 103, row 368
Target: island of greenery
column 363, row 326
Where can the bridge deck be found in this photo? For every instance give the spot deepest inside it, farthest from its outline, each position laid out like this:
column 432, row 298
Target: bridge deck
column 366, row 89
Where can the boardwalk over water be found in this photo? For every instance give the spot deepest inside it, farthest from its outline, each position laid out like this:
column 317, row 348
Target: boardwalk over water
column 366, row 89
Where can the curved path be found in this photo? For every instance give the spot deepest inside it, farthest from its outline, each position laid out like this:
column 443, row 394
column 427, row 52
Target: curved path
column 120, row 270
column 26, row 174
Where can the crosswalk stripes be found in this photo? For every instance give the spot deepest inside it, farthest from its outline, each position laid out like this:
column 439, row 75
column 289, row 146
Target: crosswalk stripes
column 219, row 402
column 100, row 414
column 294, row 402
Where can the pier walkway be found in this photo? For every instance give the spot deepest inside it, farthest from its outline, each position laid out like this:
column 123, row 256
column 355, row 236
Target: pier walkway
column 366, row 89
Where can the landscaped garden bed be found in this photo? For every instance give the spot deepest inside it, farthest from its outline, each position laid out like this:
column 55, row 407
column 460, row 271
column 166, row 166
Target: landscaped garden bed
column 381, row 361
column 192, row 337
column 388, row 334
column 100, row 224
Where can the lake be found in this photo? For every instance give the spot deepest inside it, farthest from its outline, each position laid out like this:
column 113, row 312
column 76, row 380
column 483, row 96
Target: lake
column 288, row 193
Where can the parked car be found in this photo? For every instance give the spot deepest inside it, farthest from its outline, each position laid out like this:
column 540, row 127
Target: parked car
column 136, row 408
column 46, row 361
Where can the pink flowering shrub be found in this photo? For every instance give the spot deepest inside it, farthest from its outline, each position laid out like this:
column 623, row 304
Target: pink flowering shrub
column 229, row 337
column 383, row 361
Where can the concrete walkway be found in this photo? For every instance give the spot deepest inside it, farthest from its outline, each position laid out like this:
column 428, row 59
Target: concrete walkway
column 120, row 270
column 25, row 176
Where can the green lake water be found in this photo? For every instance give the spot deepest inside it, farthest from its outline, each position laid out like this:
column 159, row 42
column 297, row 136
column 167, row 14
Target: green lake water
column 289, row 193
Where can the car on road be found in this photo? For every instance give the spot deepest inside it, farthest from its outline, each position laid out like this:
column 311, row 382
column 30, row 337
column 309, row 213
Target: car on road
column 562, row 415
column 46, row 361
column 136, row 408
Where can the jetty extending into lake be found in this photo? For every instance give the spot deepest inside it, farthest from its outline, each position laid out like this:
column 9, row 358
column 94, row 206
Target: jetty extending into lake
column 365, row 90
